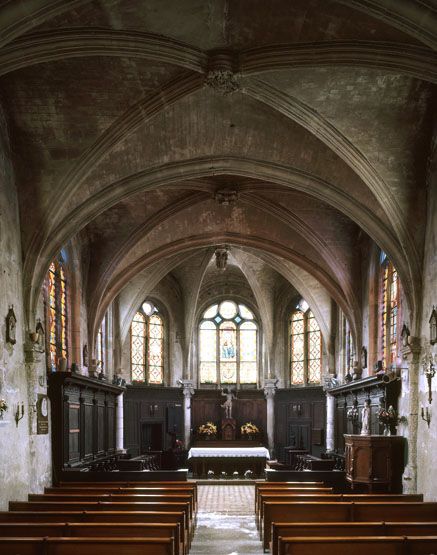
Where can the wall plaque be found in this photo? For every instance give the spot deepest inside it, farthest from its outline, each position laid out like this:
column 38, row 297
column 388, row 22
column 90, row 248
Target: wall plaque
column 42, row 414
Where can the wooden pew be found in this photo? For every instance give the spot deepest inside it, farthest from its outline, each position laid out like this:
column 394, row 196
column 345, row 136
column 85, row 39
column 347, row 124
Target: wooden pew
column 104, row 506
column 267, row 496
column 90, row 530
column 285, row 489
column 122, row 484
column 117, row 517
column 98, row 487
column 341, row 529
column 339, row 511
column 395, row 545
column 87, row 546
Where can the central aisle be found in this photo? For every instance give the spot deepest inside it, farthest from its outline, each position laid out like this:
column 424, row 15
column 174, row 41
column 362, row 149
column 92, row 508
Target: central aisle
column 226, row 521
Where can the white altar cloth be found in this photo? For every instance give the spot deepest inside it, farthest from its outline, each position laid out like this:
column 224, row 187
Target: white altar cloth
column 259, row 452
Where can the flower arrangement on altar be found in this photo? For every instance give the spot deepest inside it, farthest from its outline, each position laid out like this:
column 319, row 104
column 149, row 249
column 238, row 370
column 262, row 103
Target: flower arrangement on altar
column 249, row 429
column 388, row 416
column 207, row 430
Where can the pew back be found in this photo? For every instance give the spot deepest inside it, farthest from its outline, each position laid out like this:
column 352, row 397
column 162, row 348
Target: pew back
column 395, row 545
column 87, row 546
column 353, row 529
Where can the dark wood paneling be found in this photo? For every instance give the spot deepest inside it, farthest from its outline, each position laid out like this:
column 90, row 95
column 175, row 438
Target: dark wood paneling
column 83, row 420
column 145, row 405
column 300, row 420
column 250, row 406
column 354, row 395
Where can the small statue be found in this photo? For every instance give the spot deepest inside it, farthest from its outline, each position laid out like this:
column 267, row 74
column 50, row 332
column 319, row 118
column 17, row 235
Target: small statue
column 227, row 405
column 363, row 357
column 365, row 418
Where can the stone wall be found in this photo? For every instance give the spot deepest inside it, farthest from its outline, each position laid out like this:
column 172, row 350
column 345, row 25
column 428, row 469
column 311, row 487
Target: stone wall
column 427, row 435
column 25, row 462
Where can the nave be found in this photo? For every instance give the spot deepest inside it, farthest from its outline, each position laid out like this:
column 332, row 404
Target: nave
column 181, row 518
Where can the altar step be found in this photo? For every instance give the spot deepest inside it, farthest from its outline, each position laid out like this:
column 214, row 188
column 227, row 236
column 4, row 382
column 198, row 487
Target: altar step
column 224, row 482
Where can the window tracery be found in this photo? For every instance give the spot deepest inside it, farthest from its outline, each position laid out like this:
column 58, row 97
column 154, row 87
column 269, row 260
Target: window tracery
column 305, row 348
column 228, row 345
column 389, row 312
column 147, row 345
column 57, row 313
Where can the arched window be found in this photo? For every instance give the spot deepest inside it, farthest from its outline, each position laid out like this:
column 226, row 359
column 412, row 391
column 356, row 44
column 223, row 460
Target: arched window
column 228, row 345
column 57, row 313
column 147, row 345
column 389, row 312
column 305, row 348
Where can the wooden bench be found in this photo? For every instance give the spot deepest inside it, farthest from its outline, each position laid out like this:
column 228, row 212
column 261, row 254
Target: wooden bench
column 285, row 489
column 339, row 511
column 116, row 517
column 104, row 506
column 97, row 487
column 87, row 546
column 395, row 545
column 339, row 529
column 89, row 530
column 267, row 496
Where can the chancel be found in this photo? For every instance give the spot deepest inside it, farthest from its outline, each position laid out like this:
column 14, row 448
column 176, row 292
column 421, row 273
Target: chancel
column 218, row 277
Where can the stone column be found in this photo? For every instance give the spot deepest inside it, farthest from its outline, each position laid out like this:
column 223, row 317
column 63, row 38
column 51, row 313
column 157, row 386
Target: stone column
column 188, row 391
column 119, row 430
column 330, row 419
column 411, row 354
column 269, row 393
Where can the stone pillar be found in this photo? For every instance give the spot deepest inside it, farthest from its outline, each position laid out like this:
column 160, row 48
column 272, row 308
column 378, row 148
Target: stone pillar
column 411, row 354
column 188, row 391
column 119, row 430
column 269, row 393
column 330, row 419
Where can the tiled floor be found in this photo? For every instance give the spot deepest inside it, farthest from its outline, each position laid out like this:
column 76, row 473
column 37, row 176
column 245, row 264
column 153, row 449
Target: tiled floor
column 226, row 521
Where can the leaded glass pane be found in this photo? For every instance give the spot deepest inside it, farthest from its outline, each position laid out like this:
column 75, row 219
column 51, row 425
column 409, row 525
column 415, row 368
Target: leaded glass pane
column 245, row 312
column 208, row 344
column 297, row 348
column 52, row 315
column 228, row 372
column 63, row 311
column 228, row 342
column 208, row 372
column 228, row 309
column 155, row 349
column 248, row 342
column 314, row 350
column 148, row 308
column 248, row 372
column 138, row 342
column 211, row 311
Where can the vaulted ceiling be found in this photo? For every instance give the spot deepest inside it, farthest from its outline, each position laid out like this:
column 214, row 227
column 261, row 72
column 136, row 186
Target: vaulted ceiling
column 287, row 130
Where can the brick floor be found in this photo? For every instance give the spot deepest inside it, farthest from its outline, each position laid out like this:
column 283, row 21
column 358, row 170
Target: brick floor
column 226, row 521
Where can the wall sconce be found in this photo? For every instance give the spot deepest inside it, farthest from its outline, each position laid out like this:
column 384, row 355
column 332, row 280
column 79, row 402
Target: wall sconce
column 426, row 415
column 429, row 370
column 19, row 414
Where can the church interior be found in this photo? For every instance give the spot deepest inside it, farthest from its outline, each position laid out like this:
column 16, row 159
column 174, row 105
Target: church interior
column 218, row 285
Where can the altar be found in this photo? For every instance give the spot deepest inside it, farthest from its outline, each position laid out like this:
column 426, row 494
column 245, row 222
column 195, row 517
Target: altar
column 227, row 459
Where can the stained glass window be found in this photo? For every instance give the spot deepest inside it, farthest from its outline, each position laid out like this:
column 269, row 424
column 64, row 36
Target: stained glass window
column 305, row 348
column 147, row 345
column 389, row 312
column 57, row 313
column 228, row 345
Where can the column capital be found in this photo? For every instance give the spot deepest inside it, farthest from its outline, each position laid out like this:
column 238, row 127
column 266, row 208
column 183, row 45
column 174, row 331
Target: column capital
column 187, row 388
column 270, row 387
